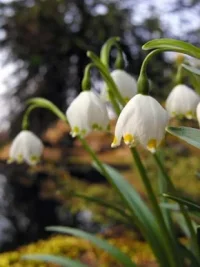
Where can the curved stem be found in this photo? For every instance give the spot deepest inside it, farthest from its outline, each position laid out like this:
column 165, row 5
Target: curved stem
column 38, row 102
column 25, row 120
column 107, row 77
column 178, row 78
column 156, row 208
column 105, row 51
column 143, row 83
column 86, row 84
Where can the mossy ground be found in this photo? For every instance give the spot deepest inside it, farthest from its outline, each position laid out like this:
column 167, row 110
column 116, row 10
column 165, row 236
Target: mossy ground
column 81, row 249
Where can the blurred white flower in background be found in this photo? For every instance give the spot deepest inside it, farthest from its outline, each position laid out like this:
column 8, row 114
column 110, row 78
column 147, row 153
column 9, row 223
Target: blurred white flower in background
column 182, row 101
column 125, row 83
column 26, row 147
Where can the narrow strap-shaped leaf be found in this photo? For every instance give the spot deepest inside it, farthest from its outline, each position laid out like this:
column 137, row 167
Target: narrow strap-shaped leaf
column 102, row 203
column 115, row 252
column 190, row 204
column 173, row 45
column 191, row 69
column 62, row 261
column 189, row 255
column 189, row 135
column 141, row 214
column 194, row 76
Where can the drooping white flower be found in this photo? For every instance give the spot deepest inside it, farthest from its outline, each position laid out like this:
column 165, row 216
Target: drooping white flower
column 143, row 120
column 198, row 113
column 86, row 113
column 182, row 101
column 26, row 147
column 126, row 85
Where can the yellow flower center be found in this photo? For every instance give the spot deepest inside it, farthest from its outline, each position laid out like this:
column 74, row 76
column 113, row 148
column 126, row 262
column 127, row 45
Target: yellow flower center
column 10, row 160
column 97, row 127
column 129, row 139
column 151, row 145
column 20, row 158
column 76, row 131
column 34, row 159
column 189, row 114
column 126, row 99
column 114, row 142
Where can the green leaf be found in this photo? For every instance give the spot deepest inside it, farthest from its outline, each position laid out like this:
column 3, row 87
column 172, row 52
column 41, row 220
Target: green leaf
column 194, row 76
column 190, row 204
column 170, row 206
column 115, row 252
column 62, row 261
column 191, row 69
column 141, row 214
column 173, row 45
column 102, row 203
column 194, row 80
column 189, row 255
column 189, row 135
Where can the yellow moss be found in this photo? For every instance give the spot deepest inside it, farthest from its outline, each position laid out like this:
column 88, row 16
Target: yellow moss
column 76, row 248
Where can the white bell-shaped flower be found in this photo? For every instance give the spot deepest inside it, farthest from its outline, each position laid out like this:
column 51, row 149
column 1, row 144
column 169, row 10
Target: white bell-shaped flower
column 198, row 113
column 182, row 101
column 26, row 147
column 126, row 85
column 143, row 120
column 86, row 113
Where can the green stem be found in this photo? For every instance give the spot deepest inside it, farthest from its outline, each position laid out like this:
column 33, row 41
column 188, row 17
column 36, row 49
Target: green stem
column 86, row 83
column 172, row 189
column 161, row 255
column 163, row 188
column 38, row 102
column 25, row 120
column 105, row 51
column 143, row 83
column 178, row 78
column 157, row 211
column 107, row 77
column 44, row 103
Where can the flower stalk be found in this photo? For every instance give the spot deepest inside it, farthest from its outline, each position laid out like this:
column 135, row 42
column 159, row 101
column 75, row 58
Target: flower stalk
column 172, row 189
column 174, row 259
column 107, row 77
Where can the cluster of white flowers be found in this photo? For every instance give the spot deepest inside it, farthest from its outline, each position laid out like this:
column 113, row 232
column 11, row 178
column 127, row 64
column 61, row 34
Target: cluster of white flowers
column 143, row 120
